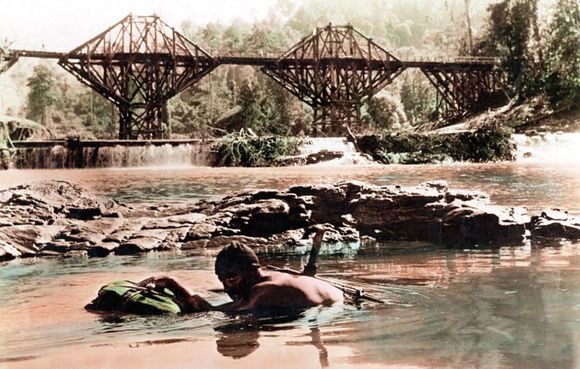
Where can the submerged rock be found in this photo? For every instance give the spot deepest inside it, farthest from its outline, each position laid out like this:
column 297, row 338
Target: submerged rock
column 430, row 212
column 555, row 223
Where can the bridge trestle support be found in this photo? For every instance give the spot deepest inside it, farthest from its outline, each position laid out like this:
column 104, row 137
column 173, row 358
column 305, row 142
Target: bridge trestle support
column 139, row 64
column 334, row 70
column 467, row 91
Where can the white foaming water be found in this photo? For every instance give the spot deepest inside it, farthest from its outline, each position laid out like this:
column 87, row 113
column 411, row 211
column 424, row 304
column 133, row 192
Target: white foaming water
column 147, row 156
column 340, row 144
column 548, row 147
column 119, row 156
column 316, row 144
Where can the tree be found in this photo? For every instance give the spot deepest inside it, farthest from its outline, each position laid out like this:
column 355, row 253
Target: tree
column 562, row 59
column 42, row 93
column 96, row 113
column 418, row 97
column 384, row 113
column 510, row 29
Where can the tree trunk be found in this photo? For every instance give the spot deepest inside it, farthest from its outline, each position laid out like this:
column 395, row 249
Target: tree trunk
column 468, row 22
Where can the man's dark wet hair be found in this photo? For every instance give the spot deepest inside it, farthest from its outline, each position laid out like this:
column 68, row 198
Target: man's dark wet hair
column 235, row 257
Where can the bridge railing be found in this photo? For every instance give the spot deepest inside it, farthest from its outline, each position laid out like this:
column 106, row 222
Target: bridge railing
column 405, row 57
column 246, row 54
column 450, row 59
column 275, row 54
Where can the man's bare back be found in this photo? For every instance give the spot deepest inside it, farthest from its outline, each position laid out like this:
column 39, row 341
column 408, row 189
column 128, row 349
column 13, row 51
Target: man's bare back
column 292, row 291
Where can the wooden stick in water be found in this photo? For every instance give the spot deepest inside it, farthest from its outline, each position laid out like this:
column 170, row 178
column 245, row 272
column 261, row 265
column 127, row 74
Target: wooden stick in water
column 310, row 268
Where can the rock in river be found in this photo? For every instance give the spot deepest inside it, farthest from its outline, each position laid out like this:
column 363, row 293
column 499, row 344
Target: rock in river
column 59, row 218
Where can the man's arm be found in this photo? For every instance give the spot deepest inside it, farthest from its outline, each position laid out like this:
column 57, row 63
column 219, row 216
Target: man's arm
column 189, row 300
column 192, row 302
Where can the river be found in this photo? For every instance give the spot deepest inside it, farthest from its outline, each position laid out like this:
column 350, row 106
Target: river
column 498, row 307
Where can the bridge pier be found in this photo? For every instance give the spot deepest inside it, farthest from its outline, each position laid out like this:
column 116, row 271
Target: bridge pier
column 333, row 120
column 468, row 90
column 7, row 59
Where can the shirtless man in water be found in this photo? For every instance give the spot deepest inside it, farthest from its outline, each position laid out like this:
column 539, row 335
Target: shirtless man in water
column 250, row 287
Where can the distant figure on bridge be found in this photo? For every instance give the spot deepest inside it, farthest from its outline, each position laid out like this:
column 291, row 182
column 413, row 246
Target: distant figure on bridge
column 250, row 287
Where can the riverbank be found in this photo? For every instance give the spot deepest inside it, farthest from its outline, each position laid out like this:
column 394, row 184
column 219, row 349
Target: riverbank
column 424, row 148
column 243, row 151
column 58, row 218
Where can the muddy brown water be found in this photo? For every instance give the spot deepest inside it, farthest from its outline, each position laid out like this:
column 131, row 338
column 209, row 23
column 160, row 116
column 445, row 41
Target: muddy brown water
column 500, row 307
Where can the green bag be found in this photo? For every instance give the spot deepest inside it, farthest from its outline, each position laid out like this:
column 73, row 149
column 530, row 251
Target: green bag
column 128, row 297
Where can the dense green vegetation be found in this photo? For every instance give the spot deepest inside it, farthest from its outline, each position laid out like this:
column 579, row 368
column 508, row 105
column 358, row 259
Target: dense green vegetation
column 540, row 54
column 251, row 151
column 541, row 59
column 42, row 93
column 418, row 148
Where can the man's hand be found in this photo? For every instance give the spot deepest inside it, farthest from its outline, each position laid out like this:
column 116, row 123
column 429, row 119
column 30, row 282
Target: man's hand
column 158, row 282
column 188, row 299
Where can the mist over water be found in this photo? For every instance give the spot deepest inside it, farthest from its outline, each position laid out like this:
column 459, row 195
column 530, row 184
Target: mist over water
column 548, row 147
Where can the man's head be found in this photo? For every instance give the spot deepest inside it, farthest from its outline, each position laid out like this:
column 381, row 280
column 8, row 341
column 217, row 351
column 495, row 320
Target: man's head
column 237, row 267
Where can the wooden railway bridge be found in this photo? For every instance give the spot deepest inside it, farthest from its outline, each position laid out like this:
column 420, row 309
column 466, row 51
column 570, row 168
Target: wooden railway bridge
column 140, row 62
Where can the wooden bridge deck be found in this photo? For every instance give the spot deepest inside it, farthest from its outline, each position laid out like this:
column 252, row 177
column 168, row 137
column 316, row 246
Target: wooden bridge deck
column 444, row 63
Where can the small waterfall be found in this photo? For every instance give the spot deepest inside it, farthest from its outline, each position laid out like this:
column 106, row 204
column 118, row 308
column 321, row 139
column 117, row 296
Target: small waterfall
column 94, row 155
column 118, row 156
column 334, row 144
column 316, row 144
column 548, row 147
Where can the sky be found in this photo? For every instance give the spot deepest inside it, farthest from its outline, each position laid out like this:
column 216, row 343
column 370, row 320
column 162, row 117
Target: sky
column 61, row 25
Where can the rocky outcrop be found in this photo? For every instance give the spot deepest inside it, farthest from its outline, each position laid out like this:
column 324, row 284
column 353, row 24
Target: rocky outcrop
column 554, row 223
column 54, row 218
column 311, row 158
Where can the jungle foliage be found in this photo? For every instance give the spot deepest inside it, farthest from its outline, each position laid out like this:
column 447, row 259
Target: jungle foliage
column 251, row 151
column 42, row 94
column 541, row 59
column 423, row 148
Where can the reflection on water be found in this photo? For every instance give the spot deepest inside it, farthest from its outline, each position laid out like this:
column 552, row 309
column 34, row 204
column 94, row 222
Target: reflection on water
column 508, row 307
column 535, row 185
column 512, row 307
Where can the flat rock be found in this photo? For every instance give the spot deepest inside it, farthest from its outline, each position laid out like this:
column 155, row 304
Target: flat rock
column 93, row 231
column 490, row 224
column 27, row 238
column 119, row 236
column 177, row 235
column 103, row 249
column 162, row 223
column 65, row 247
column 158, row 234
column 200, row 231
column 59, row 199
column 190, row 218
column 127, row 229
column 138, row 245
column 175, row 221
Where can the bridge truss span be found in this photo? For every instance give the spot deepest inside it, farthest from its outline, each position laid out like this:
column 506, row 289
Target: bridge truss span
column 139, row 63
column 334, row 70
column 467, row 90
